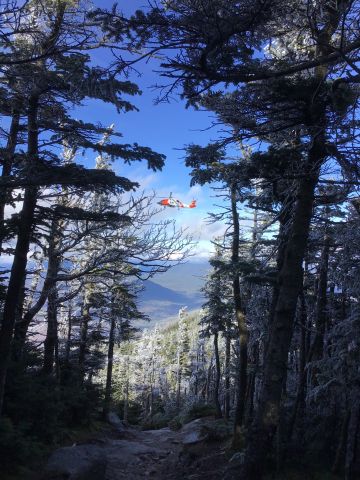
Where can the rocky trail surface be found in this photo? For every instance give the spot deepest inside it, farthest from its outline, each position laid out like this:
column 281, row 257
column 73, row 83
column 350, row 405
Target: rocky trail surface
column 133, row 454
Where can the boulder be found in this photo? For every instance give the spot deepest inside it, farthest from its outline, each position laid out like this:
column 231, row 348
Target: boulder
column 83, row 462
column 204, row 429
column 195, row 432
column 115, row 421
column 199, row 433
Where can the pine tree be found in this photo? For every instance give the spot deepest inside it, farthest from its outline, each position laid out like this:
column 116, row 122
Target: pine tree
column 217, row 316
column 62, row 74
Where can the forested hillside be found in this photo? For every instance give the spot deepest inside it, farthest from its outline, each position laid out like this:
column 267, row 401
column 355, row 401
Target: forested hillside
column 272, row 357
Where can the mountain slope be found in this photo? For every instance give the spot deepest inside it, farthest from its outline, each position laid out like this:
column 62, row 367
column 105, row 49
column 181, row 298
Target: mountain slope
column 180, row 286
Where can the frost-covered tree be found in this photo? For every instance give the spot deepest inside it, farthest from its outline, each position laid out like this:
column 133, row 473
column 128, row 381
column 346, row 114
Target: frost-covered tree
column 61, row 77
column 291, row 71
column 217, row 319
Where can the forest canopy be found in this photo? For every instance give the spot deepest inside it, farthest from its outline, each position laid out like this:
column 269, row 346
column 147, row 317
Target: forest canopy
column 273, row 354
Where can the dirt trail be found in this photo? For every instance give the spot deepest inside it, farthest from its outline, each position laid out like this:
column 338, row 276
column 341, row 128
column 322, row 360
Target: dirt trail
column 133, row 454
column 140, row 454
column 163, row 454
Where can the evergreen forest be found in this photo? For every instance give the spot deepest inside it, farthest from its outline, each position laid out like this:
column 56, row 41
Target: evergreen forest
column 262, row 382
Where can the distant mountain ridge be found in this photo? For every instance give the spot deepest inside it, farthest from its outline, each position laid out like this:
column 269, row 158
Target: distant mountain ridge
column 165, row 294
column 153, row 291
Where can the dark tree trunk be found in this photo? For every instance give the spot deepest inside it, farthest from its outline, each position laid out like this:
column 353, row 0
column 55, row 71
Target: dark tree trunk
column 342, row 443
column 68, row 338
column 227, row 373
column 110, row 357
column 51, row 333
column 8, row 160
column 84, row 326
column 352, row 460
column 303, row 351
column 316, row 349
column 251, row 383
column 242, row 327
column 289, row 281
column 217, row 376
column 51, row 293
column 284, row 218
column 299, row 405
column 178, row 382
column 21, row 328
column 208, row 380
column 126, row 402
column 321, row 301
column 18, row 270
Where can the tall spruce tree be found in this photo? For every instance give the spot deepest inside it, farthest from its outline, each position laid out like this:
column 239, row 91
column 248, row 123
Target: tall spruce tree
column 60, row 77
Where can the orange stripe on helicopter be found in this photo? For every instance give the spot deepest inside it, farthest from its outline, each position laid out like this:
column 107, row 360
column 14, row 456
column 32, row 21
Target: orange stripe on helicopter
column 172, row 202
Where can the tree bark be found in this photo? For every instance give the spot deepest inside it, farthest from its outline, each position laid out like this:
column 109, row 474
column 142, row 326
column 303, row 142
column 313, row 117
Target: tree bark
column 51, row 293
column 252, row 382
column 342, row 441
column 352, row 468
column 242, row 327
column 8, row 160
column 217, row 376
column 22, row 326
column 289, row 280
column 18, row 270
column 109, row 370
column 126, row 400
column 321, row 301
column 68, row 338
column 290, row 277
column 84, row 326
column 227, row 374
column 51, row 333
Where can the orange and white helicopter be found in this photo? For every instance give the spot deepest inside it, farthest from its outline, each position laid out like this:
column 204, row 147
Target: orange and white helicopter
column 173, row 202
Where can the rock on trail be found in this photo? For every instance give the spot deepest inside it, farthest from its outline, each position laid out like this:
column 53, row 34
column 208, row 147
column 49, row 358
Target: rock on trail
column 136, row 455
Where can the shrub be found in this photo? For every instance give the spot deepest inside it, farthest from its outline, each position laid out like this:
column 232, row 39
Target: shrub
column 199, row 410
column 134, row 411
column 17, row 449
column 157, row 421
column 175, row 423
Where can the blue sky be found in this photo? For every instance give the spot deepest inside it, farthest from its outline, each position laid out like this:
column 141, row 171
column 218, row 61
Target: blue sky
column 166, row 128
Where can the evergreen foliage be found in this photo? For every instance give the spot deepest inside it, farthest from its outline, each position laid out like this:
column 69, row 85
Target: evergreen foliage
column 275, row 349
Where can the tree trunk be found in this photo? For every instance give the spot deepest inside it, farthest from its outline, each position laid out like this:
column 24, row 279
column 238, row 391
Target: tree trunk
column 22, row 326
column 321, row 301
column 290, row 281
column 178, row 379
column 68, row 338
column 18, row 270
column 8, row 159
column 316, row 349
column 126, row 401
column 342, row 441
column 110, row 357
column 208, row 380
column 217, row 376
column 303, row 353
column 227, row 374
column 23, row 321
column 352, row 469
column 84, row 326
column 242, row 327
column 251, row 383
column 51, row 293
column 51, row 333
column 299, row 404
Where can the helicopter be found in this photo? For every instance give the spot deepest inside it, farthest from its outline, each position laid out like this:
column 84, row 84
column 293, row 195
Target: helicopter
column 173, row 202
